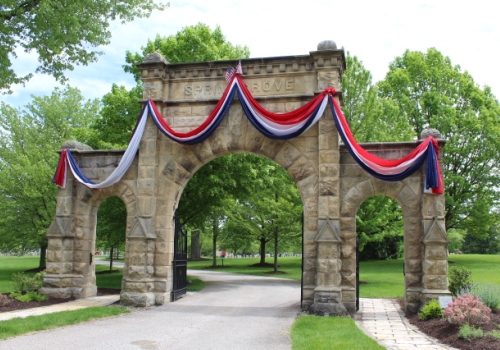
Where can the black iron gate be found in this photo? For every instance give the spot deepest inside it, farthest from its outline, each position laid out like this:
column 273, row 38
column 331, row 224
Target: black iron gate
column 179, row 263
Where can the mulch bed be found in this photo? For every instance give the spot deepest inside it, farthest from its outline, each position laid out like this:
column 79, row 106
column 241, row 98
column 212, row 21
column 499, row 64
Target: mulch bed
column 14, row 304
column 447, row 333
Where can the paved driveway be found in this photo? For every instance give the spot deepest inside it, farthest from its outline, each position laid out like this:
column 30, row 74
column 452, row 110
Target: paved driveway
column 232, row 312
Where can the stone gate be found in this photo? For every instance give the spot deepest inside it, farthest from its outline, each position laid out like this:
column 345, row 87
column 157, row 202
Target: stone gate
column 331, row 184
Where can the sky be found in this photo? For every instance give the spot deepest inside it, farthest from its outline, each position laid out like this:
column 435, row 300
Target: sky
column 377, row 32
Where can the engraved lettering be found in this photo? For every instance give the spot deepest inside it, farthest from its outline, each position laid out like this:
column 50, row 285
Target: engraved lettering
column 188, row 91
column 219, row 90
column 266, row 86
column 198, row 89
column 208, row 89
column 289, row 85
column 278, row 85
column 255, row 87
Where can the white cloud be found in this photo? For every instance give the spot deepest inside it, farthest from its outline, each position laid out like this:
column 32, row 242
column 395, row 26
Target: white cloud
column 375, row 31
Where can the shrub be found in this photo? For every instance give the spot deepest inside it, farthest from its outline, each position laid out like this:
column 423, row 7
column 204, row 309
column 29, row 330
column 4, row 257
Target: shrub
column 29, row 283
column 30, row 296
column 489, row 294
column 494, row 334
column 459, row 279
column 467, row 309
column 468, row 332
column 431, row 310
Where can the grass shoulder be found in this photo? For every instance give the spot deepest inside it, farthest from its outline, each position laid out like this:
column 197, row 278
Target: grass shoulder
column 19, row 326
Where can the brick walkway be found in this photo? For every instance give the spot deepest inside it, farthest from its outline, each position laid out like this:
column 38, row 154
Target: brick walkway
column 383, row 320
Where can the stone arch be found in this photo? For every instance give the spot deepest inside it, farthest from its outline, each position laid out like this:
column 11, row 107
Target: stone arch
column 331, row 184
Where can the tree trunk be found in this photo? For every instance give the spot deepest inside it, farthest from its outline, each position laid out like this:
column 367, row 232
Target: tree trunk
column 111, row 259
column 214, row 244
column 262, row 251
column 42, row 265
column 276, row 250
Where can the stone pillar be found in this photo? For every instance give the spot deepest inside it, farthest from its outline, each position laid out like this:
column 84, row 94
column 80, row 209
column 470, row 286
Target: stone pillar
column 60, row 281
column 435, row 240
column 328, row 293
column 435, row 264
column 138, row 286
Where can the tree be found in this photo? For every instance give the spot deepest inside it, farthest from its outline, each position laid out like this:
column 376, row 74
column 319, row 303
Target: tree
column 28, row 138
column 370, row 118
column 111, row 227
column 63, row 33
column 196, row 43
column 379, row 225
column 432, row 93
column 117, row 118
column 272, row 211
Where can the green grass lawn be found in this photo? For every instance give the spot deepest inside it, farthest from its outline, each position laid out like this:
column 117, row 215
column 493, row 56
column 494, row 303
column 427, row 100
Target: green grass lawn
column 19, row 326
column 291, row 266
column 329, row 333
column 12, row 264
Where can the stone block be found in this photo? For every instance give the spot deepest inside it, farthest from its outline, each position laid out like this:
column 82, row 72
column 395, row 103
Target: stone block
column 287, row 155
column 413, row 266
column 139, row 300
column 413, row 280
column 438, row 282
column 301, row 169
column 349, row 280
column 328, row 250
column 435, row 267
column 436, row 252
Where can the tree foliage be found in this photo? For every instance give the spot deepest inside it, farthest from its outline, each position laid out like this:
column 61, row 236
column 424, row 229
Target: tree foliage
column 379, row 225
column 370, row 118
column 196, row 43
column 111, row 227
column 432, row 93
column 63, row 33
column 28, row 140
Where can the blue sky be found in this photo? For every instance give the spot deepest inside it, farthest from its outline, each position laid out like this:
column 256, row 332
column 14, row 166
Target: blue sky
column 375, row 31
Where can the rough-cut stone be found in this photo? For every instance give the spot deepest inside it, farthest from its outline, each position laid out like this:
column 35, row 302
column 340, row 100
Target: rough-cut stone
column 332, row 186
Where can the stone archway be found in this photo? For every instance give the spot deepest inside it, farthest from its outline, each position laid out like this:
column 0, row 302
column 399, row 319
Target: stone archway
column 331, row 185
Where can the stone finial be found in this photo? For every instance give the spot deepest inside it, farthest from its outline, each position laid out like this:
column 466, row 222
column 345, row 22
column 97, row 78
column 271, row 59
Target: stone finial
column 75, row 145
column 327, row 45
column 155, row 57
column 430, row 132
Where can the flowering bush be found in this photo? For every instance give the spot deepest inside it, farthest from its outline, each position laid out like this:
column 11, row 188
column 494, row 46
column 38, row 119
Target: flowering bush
column 467, row 309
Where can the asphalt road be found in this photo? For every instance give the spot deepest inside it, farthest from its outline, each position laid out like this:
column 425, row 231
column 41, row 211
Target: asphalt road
column 231, row 312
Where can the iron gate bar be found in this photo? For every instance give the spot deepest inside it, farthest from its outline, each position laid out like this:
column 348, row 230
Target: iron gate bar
column 179, row 264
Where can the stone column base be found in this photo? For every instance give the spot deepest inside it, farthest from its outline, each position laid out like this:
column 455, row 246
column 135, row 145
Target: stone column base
column 429, row 294
column 137, row 299
column 328, row 302
column 63, row 286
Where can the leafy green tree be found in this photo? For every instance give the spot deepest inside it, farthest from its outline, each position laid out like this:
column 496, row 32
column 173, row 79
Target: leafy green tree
column 117, row 118
column 273, row 210
column 196, row 43
column 370, row 118
column 484, row 244
column 431, row 92
column 63, row 33
column 111, row 227
column 28, row 138
column 379, row 224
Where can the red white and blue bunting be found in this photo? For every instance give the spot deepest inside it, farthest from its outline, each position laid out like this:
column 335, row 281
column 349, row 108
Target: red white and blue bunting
column 273, row 125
